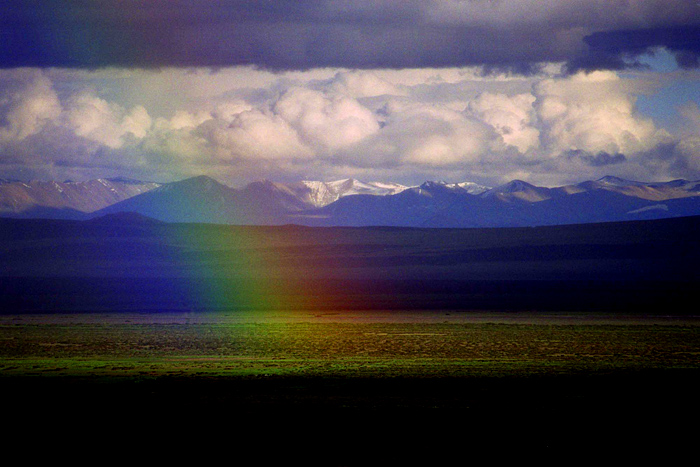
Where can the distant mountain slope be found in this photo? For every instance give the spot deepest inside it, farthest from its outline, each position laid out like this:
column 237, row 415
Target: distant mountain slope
column 65, row 199
column 350, row 202
column 432, row 204
column 413, row 207
column 197, row 199
column 203, row 199
column 650, row 191
column 515, row 204
column 517, row 190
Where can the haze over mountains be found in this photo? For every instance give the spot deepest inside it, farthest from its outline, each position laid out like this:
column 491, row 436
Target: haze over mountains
column 353, row 203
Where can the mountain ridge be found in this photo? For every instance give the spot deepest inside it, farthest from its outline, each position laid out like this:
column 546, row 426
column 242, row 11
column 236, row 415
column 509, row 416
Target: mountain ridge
column 36, row 198
column 355, row 203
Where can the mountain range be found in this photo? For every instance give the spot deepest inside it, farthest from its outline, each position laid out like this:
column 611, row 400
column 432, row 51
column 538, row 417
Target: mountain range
column 65, row 200
column 350, row 202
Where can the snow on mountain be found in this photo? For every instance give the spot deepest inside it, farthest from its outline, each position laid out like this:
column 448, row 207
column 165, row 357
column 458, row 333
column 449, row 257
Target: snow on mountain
column 462, row 187
column 324, row 193
column 471, row 187
column 66, row 199
column 661, row 207
column 512, row 187
column 273, row 196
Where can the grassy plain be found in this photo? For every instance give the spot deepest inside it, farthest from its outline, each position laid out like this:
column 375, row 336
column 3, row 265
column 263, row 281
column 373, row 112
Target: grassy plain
column 356, row 383
column 376, row 344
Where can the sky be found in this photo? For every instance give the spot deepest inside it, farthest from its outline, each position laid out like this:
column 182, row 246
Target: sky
column 548, row 91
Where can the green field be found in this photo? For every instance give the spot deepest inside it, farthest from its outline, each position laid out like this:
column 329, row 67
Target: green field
column 388, row 345
column 355, row 388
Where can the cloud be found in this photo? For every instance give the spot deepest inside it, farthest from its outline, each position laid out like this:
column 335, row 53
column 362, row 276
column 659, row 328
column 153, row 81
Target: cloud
column 365, row 34
column 252, row 134
column 27, row 103
column 361, row 83
column 326, row 122
column 397, row 125
column 592, row 112
column 619, row 49
column 596, row 160
column 104, row 122
column 424, row 135
column 184, row 119
column 690, row 112
column 512, row 117
column 687, row 149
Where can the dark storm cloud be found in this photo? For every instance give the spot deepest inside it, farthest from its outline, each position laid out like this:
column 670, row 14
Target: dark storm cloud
column 599, row 159
column 618, row 49
column 357, row 34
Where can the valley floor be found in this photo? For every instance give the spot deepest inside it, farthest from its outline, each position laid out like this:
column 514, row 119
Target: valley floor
column 120, row 334
column 350, row 381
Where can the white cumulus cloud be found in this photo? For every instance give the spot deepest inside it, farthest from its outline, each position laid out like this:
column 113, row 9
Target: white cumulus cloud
column 595, row 113
column 512, row 117
column 27, row 103
column 104, row 122
column 327, row 122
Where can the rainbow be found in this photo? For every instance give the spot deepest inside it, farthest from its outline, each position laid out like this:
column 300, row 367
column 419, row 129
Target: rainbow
column 240, row 267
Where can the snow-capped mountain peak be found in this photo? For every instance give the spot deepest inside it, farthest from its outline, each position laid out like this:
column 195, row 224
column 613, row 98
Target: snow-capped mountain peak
column 472, row 188
column 617, row 181
column 323, row 193
column 513, row 186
